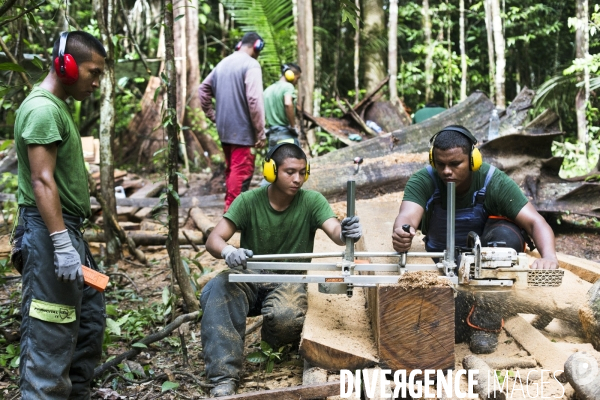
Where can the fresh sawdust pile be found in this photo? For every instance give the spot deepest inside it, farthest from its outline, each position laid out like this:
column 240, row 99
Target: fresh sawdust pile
column 421, row 279
column 339, row 209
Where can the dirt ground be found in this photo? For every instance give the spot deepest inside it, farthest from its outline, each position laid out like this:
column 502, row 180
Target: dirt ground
column 133, row 285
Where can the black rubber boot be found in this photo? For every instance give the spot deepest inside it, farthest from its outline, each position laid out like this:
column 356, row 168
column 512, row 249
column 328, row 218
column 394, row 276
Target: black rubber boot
column 224, row 389
column 483, row 342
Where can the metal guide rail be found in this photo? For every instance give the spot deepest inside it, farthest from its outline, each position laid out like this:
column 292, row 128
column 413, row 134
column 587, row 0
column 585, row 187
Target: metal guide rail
column 478, row 266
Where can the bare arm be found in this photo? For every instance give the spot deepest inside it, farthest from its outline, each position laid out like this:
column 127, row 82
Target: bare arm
column 333, row 228
column 536, row 226
column 42, row 161
column 288, row 103
column 410, row 214
column 206, row 95
column 217, row 240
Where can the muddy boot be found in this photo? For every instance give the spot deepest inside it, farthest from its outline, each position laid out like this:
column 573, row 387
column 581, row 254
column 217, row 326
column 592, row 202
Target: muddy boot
column 483, row 342
column 223, row 389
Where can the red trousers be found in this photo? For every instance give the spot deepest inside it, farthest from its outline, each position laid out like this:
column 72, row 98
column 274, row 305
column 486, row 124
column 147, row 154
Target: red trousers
column 239, row 171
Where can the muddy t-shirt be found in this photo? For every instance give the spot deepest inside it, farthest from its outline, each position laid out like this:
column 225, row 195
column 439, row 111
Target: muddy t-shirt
column 268, row 231
column 43, row 118
column 503, row 196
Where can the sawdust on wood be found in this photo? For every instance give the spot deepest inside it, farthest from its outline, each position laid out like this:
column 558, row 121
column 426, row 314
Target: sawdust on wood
column 421, row 279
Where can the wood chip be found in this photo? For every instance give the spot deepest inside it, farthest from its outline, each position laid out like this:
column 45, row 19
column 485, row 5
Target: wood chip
column 421, row 279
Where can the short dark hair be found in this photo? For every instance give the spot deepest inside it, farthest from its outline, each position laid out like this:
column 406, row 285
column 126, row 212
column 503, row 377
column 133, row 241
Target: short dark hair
column 250, row 38
column 288, row 150
column 446, row 140
column 294, row 67
column 81, row 45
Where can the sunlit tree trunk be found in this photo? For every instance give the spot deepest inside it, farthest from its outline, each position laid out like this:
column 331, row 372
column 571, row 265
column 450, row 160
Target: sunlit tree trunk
column 490, row 44
column 581, row 51
column 463, row 53
column 357, row 55
column 306, row 59
column 429, row 46
column 105, row 13
column 500, row 56
column 318, row 57
column 393, row 51
column 373, row 57
column 172, row 166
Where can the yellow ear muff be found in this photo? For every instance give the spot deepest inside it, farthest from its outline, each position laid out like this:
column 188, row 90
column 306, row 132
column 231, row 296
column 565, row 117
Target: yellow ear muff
column 431, row 162
column 289, row 75
column 307, row 171
column 476, row 159
column 270, row 170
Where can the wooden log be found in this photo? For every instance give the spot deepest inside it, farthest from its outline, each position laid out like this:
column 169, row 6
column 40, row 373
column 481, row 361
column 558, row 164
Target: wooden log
column 205, row 224
column 485, row 386
column 148, row 190
column 315, row 391
column 148, row 238
column 505, row 362
column 414, row 329
column 336, row 333
column 536, row 344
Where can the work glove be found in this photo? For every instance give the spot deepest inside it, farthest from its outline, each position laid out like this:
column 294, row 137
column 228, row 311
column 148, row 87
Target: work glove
column 351, row 228
column 235, row 257
column 67, row 263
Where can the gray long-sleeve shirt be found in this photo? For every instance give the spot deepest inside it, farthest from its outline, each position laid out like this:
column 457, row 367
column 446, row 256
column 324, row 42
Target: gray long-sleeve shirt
column 236, row 84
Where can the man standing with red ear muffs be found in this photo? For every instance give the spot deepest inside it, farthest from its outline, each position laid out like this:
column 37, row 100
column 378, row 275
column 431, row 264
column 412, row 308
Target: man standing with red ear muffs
column 236, row 85
column 63, row 319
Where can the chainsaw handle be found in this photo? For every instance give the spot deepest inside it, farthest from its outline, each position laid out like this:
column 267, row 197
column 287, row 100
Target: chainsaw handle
column 406, row 228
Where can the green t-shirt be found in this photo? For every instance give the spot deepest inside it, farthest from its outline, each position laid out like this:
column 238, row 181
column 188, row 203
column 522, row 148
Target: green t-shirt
column 43, row 118
column 268, row 231
column 274, row 105
column 503, row 196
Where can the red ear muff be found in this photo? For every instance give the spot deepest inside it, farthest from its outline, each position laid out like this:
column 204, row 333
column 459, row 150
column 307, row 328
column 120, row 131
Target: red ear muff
column 238, row 45
column 64, row 64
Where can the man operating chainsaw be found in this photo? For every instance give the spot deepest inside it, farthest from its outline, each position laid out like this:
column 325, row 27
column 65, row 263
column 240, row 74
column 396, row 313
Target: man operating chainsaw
column 281, row 218
column 488, row 202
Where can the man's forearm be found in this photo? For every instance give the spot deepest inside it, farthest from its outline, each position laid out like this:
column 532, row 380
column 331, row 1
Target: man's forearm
column 289, row 112
column 48, row 204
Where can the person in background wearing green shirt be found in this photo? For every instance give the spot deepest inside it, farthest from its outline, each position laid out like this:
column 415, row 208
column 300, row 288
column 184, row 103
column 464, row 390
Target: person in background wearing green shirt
column 488, row 203
column 281, row 218
column 63, row 320
column 279, row 106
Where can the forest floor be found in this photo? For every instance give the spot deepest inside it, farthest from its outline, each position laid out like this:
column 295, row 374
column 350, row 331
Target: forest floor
column 139, row 292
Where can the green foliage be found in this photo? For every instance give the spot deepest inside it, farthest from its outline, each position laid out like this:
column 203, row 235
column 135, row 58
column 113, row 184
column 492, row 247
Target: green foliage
column 9, row 185
column 274, row 22
column 10, row 357
column 266, row 354
column 575, row 162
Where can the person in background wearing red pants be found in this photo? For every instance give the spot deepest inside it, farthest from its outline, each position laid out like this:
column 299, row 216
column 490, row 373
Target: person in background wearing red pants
column 236, row 85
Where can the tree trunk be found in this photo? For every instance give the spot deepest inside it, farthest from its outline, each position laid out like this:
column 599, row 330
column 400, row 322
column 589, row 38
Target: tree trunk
column 490, row 43
column 500, row 56
column 429, row 46
column 172, row 132
column 306, row 59
column 105, row 13
column 463, row 53
column 373, row 59
column 581, row 50
column 357, row 55
column 393, row 53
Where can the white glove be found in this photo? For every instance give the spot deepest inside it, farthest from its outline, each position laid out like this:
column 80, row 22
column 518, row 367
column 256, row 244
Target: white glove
column 235, row 257
column 351, row 228
column 67, row 263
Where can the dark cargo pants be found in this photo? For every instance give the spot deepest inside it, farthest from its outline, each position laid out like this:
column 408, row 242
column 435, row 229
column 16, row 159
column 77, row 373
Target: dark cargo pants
column 62, row 334
column 225, row 306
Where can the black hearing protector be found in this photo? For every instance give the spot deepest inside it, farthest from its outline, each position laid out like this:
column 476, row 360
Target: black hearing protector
column 270, row 168
column 475, row 158
column 258, row 45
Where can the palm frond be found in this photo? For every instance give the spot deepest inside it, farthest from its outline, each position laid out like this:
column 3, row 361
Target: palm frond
column 274, row 21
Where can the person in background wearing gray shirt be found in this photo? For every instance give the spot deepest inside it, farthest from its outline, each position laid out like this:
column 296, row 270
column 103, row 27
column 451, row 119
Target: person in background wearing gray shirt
column 236, row 85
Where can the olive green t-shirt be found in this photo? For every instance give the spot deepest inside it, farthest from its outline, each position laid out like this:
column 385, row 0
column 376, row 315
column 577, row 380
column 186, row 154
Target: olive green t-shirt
column 268, row 231
column 43, row 118
column 274, row 106
column 503, row 196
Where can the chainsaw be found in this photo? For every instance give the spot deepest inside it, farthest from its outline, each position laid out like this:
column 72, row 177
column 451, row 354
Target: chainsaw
column 478, row 267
